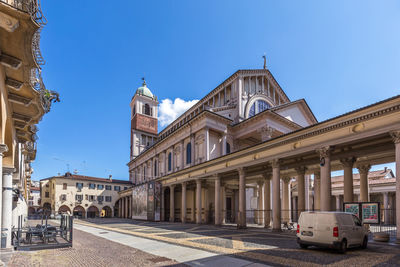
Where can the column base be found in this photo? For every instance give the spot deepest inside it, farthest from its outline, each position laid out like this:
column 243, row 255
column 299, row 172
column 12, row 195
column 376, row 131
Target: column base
column 276, row 230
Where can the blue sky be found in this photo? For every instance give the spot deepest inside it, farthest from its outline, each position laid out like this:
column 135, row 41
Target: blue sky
column 338, row 55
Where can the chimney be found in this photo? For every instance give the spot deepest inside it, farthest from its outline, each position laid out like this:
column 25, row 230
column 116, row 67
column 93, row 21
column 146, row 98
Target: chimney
column 110, row 177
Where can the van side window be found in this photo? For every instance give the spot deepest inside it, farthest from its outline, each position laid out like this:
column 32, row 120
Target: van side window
column 357, row 221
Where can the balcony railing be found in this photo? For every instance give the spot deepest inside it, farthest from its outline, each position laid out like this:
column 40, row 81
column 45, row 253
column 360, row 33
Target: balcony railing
column 32, row 7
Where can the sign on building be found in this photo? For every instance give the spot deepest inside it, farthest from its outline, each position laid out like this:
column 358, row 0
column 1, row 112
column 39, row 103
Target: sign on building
column 368, row 212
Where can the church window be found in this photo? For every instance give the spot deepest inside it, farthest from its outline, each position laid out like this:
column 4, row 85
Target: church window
column 155, row 168
column 257, row 107
column 188, row 153
column 228, row 148
column 169, row 161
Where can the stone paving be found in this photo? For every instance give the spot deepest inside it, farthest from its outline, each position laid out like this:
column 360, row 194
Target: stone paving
column 252, row 244
column 91, row 251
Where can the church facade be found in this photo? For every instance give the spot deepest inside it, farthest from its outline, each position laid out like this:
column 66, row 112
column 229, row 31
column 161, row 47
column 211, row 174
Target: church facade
column 240, row 146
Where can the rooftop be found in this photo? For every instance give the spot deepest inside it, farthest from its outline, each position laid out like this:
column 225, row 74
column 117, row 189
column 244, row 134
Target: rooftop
column 68, row 175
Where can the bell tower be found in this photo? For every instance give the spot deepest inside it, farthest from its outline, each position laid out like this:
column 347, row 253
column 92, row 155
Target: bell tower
column 144, row 110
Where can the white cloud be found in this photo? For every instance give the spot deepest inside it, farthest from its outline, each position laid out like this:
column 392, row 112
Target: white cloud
column 169, row 111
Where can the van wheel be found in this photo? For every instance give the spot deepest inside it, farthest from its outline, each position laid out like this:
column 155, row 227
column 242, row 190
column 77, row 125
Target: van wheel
column 365, row 243
column 343, row 246
column 303, row 246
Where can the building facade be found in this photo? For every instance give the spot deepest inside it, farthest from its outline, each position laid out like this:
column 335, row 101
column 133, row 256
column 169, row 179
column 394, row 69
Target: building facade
column 34, row 198
column 23, row 101
column 238, row 149
column 82, row 196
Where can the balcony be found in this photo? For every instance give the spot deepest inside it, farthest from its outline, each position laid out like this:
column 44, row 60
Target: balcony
column 32, row 7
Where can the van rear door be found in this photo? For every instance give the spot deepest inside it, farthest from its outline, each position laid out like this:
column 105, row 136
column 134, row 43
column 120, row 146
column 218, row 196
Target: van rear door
column 307, row 226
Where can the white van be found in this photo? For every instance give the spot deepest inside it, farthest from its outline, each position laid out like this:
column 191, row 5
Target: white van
column 338, row 230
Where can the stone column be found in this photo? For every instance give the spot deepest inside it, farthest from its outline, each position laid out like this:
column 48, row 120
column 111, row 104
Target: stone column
column 276, row 198
column 348, row 179
column 337, row 202
column 242, row 199
column 7, row 203
column 162, row 215
column 223, row 213
column 217, row 211
column 301, row 190
column 386, row 207
column 285, row 199
column 317, row 190
column 126, row 207
column 171, row 203
column 131, row 209
column 198, row 201
column 120, row 208
column 207, row 144
column 326, row 186
column 267, row 199
column 123, row 208
column 3, row 148
column 183, row 213
column 224, row 143
column 260, row 203
column 396, row 139
column 193, row 207
column 363, row 169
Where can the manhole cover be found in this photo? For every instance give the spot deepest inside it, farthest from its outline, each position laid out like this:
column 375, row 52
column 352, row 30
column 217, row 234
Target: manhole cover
column 103, row 233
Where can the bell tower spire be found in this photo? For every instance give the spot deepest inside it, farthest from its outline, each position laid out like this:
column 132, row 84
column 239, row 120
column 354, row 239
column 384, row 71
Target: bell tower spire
column 144, row 122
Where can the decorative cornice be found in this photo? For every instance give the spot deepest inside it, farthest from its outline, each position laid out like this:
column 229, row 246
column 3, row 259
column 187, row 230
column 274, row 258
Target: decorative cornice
column 19, row 99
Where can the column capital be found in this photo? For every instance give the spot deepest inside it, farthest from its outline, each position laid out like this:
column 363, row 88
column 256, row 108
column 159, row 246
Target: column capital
column 241, row 171
column 363, row 168
column 267, row 176
column 286, row 179
column 217, row 176
column 198, row 181
column 184, row 184
column 275, row 163
column 301, row 170
column 172, row 186
column 395, row 136
column 3, row 148
column 348, row 162
column 8, row 170
column 324, row 151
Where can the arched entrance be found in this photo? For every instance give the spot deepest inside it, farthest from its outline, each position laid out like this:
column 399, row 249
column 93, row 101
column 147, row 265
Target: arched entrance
column 64, row 209
column 79, row 212
column 31, row 211
column 92, row 212
column 106, row 212
column 47, row 208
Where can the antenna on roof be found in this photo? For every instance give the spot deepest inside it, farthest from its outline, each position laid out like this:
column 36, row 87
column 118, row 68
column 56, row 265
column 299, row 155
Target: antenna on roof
column 265, row 61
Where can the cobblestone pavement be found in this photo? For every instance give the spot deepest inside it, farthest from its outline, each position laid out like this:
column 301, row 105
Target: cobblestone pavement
column 91, row 251
column 257, row 245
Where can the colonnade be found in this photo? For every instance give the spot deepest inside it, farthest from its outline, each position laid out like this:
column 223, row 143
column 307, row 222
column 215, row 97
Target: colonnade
column 322, row 189
column 125, row 207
